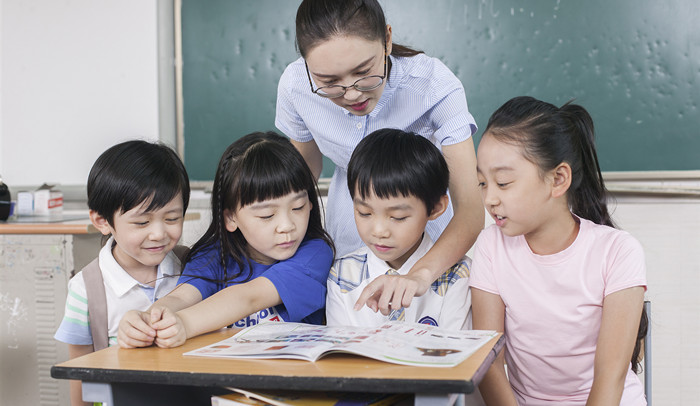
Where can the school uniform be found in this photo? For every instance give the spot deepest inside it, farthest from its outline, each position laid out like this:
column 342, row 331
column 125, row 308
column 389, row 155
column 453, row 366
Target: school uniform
column 122, row 293
column 300, row 281
column 446, row 304
column 421, row 95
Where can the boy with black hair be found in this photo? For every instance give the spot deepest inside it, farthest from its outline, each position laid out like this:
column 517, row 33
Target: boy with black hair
column 137, row 195
column 398, row 182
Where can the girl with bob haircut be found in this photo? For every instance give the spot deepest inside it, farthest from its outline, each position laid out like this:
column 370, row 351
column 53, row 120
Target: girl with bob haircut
column 265, row 255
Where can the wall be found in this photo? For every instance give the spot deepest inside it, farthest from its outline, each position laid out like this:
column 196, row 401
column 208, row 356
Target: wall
column 75, row 78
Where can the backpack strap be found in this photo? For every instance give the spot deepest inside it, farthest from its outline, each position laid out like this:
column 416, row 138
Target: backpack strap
column 181, row 252
column 97, row 304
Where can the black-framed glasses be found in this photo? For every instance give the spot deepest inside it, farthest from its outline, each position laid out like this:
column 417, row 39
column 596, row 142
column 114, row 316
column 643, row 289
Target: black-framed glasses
column 364, row 84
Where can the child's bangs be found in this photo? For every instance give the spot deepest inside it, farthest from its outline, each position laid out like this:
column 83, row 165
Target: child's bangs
column 269, row 176
column 156, row 193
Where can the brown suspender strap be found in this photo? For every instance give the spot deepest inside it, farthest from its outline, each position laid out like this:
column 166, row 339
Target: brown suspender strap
column 97, row 305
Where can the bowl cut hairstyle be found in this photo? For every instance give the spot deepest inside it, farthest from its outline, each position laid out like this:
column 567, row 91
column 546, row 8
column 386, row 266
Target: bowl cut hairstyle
column 393, row 163
column 133, row 172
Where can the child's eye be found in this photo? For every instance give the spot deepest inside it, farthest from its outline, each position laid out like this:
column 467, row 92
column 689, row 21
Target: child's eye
column 140, row 223
column 400, row 218
column 482, row 184
column 173, row 220
column 502, row 185
column 361, row 214
column 300, row 207
column 266, row 217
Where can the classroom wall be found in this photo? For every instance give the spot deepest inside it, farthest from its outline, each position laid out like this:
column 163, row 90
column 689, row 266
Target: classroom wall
column 75, row 78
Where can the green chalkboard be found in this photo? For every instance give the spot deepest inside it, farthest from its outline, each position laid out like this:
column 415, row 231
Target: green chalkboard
column 634, row 64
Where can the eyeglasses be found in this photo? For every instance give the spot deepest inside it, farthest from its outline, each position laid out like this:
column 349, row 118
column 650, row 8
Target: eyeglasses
column 364, row 84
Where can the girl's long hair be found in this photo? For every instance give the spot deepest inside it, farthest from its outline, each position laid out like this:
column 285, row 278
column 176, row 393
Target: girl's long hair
column 257, row 167
column 548, row 136
column 319, row 20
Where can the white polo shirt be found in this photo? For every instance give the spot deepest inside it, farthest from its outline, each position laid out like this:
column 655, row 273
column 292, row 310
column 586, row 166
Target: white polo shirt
column 122, row 291
column 446, row 304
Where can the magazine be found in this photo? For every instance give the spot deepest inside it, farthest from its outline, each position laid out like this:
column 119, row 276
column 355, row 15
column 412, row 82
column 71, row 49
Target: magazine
column 394, row 341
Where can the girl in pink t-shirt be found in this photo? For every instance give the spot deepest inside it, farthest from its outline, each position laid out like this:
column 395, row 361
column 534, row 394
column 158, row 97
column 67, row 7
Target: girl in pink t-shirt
column 553, row 273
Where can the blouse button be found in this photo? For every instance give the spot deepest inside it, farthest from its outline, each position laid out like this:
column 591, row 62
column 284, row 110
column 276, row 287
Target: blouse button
column 358, row 125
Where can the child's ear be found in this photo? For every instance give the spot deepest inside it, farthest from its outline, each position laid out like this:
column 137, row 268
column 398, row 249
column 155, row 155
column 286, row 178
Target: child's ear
column 229, row 221
column 100, row 223
column 561, row 179
column 440, row 207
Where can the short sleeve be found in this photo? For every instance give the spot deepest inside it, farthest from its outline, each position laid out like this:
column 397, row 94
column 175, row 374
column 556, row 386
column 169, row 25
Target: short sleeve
column 456, row 311
column 627, row 266
column 482, row 273
column 450, row 114
column 287, row 119
column 301, row 280
column 336, row 311
column 203, row 272
column 75, row 327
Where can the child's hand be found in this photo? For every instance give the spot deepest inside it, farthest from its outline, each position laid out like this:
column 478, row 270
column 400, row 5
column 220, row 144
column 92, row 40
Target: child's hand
column 135, row 330
column 170, row 330
column 391, row 292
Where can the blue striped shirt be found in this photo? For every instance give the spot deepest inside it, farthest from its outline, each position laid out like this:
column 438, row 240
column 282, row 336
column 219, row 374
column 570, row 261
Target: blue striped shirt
column 421, row 95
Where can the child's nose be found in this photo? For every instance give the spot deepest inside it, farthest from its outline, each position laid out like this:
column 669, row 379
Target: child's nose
column 285, row 225
column 380, row 230
column 157, row 231
column 490, row 197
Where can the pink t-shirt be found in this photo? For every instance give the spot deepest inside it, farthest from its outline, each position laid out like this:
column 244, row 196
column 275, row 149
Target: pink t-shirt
column 554, row 307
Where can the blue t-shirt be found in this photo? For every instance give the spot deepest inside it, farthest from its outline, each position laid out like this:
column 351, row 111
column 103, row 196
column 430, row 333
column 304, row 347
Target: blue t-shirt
column 300, row 281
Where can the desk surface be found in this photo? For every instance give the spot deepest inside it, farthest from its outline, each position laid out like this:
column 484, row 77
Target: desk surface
column 335, row 372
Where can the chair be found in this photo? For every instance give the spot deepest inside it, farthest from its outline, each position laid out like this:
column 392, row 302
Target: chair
column 647, row 354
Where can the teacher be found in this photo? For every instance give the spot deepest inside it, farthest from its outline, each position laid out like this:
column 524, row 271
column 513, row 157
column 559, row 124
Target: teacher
column 352, row 80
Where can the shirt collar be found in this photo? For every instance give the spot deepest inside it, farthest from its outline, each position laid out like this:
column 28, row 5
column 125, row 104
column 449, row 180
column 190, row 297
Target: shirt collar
column 377, row 266
column 117, row 279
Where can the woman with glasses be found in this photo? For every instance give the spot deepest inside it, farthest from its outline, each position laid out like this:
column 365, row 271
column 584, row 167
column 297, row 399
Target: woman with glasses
column 352, row 80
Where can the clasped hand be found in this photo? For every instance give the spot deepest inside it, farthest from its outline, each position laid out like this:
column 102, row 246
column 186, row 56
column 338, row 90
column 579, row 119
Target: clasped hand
column 159, row 325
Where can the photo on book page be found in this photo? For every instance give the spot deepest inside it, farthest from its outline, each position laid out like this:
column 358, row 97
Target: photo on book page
column 396, row 342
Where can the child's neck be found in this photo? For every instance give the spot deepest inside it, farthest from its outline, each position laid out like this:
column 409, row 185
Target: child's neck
column 555, row 236
column 144, row 274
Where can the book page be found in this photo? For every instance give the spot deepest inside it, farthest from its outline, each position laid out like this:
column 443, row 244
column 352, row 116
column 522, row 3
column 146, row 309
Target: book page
column 395, row 342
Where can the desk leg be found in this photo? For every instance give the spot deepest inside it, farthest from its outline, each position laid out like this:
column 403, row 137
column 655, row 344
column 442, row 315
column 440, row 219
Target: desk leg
column 98, row 392
column 423, row 399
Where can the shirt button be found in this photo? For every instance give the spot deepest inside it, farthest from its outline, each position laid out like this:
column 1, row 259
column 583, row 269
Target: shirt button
column 358, row 125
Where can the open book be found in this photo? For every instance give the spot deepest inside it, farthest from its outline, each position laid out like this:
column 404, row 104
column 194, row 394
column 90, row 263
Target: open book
column 396, row 342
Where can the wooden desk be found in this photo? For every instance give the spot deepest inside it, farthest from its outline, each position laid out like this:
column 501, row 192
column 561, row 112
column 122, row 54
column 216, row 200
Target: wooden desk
column 156, row 376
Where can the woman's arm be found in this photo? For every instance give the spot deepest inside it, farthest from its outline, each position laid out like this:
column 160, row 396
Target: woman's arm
column 488, row 312
column 219, row 310
column 622, row 311
column 387, row 293
column 312, row 155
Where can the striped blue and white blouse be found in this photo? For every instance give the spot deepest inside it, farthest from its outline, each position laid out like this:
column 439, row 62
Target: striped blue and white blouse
column 421, row 95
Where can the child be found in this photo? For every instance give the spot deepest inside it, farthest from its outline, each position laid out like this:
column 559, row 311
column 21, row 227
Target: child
column 398, row 182
column 137, row 194
column 565, row 286
column 265, row 255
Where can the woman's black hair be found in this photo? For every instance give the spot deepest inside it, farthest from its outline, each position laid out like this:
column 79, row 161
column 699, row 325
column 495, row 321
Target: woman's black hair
column 133, row 172
column 319, row 20
column 550, row 136
column 392, row 163
column 256, row 167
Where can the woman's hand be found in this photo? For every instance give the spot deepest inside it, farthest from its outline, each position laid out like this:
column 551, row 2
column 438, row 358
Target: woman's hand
column 392, row 292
